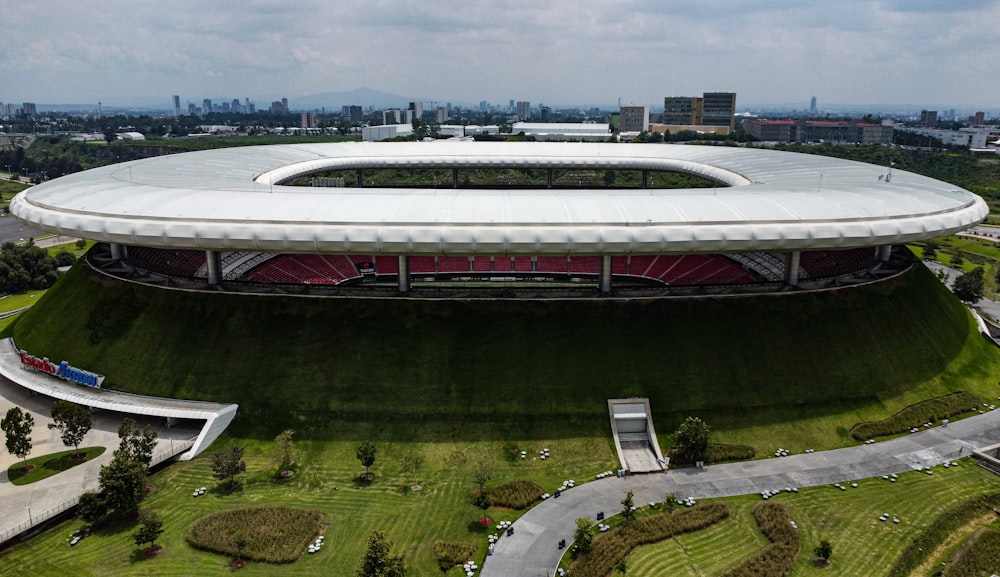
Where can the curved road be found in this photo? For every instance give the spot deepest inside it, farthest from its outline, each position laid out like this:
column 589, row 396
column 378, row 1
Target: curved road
column 532, row 551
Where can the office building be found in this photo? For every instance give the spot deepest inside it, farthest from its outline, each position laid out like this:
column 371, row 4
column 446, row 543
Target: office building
column 928, row 117
column 523, row 109
column 682, row 110
column 177, row 104
column 633, row 118
column 718, row 109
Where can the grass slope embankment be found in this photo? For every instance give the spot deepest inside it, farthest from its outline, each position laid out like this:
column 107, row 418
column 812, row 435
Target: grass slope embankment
column 500, row 361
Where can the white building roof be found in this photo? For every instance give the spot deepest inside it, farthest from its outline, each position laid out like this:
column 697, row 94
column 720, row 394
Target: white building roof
column 230, row 199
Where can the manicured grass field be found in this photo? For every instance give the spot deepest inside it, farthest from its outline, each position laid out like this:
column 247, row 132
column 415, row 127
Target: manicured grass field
column 19, row 301
column 863, row 546
column 51, row 464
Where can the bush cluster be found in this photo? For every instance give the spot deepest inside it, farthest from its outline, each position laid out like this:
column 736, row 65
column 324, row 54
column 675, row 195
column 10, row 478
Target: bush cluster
column 977, row 557
column 272, row 534
column 717, row 453
column 616, row 544
column 777, row 558
column 448, row 554
column 916, row 415
column 516, row 494
column 939, row 530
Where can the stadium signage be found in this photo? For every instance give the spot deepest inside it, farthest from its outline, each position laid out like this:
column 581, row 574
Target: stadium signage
column 63, row 370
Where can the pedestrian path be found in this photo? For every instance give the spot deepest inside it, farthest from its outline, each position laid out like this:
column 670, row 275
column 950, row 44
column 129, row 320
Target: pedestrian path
column 532, row 550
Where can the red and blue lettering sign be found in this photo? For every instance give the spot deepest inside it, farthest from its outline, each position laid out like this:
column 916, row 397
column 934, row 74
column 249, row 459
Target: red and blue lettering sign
column 63, row 370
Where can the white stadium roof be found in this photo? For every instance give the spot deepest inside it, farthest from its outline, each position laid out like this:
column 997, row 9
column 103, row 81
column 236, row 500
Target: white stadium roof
column 229, row 199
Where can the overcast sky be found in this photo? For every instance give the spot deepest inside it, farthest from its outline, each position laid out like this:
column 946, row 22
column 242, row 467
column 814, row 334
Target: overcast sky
column 561, row 52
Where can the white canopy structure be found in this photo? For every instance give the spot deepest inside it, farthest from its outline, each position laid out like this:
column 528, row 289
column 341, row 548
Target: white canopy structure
column 234, row 199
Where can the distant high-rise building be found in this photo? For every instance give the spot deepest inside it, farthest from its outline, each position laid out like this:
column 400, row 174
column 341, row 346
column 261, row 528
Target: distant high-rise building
column 206, row 105
column 177, row 104
column 719, row 109
column 235, row 106
column 249, row 107
column 510, row 106
column 812, row 106
column 682, row 110
column 191, row 109
column 28, row 109
column 284, row 105
column 523, row 109
column 308, row 120
column 979, row 118
column 442, row 115
column 928, row 117
column 483, row 106
column 633, row 118
column 418, row 109
column 353, row 113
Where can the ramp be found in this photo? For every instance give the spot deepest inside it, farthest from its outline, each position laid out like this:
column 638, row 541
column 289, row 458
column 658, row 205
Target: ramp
column 635, row 438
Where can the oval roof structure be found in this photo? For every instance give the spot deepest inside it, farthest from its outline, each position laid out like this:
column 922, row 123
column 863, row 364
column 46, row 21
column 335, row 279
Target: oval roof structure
column 232, row 199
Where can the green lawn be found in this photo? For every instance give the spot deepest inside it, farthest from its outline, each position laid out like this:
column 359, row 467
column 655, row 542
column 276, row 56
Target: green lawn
column 863, row 546
column 19, row 301
column 52, row 464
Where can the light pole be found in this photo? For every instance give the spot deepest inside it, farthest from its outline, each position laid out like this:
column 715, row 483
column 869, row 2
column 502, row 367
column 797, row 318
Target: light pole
column 30, row 522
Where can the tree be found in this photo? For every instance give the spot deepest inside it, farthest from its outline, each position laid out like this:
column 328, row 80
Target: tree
column 123, row 484
column 691, row 439
column 628, row 508
column 824, row 550
column 969, row 286
column 136, row 445
column 481, row 500
column 412, row 461
column 481, row 474
column 91, row 507
column 228, row 463
column 72, row 421
column 150, row 527
column 80, row 243
column 17, row 425
column 366, row 454
column 582, row 538
column 621, row 566
column 379, row 560
column 957, row 261
column 286, row 449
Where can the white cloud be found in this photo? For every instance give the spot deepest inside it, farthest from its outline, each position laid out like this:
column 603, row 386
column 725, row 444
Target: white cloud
column 560, row 51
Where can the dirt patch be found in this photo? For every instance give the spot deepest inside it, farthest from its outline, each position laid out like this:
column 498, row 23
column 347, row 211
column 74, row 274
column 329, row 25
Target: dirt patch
column 153, row 551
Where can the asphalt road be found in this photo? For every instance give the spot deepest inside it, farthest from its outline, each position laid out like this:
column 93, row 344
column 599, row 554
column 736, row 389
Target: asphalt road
column 13, row 230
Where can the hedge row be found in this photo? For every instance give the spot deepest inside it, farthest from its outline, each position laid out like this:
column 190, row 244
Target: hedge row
column 776, row 559
column 616, row 544
column 449, row 554
column 929, row 411
column 717, row 453
column 939, row 530
column 516, row 494
column 272, row 534
column 979, row 556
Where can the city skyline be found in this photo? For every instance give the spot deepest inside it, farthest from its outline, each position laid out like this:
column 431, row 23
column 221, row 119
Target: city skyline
column 912, row 52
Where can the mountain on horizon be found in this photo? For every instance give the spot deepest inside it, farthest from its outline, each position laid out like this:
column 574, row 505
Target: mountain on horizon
column 363, row 96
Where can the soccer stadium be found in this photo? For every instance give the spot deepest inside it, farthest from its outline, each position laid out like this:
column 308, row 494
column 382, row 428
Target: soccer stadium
column 502, row 298
column 229, row 218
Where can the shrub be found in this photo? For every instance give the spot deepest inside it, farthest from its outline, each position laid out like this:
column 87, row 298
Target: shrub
column 939, row 530
column 608, row 548
column 717, row 453
column 778, row 557
column 516, row 494
column 272, row 534
column 449, row 554
column 929, row 411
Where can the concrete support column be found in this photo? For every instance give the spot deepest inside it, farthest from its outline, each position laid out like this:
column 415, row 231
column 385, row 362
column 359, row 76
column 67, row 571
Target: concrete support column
column 792, row 268
column 404, row 273
column 116, row 251
column 604, row 278
column 645, row 179
column 361, row 178
column 884, row 252
column 454, row 178
column 548, row 178
column 214, row 261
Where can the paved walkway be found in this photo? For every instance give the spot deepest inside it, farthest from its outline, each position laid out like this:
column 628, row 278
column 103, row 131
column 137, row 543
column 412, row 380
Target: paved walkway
column 532, row 551
column 23, row 506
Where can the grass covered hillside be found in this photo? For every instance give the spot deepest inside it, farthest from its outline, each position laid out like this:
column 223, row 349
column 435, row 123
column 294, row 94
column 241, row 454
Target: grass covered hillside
column 505, row 362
